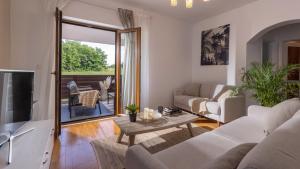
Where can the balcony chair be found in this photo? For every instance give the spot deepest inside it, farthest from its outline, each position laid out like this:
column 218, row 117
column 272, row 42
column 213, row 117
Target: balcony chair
column 83, row 96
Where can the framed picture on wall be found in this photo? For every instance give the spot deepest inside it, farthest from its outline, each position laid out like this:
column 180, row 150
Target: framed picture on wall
column 215, row 46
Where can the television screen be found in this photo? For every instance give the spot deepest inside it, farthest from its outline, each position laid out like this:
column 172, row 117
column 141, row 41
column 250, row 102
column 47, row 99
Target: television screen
column 16, row 98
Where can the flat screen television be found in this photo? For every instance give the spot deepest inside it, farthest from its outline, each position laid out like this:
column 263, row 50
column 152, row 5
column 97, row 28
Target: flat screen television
column 16, row 99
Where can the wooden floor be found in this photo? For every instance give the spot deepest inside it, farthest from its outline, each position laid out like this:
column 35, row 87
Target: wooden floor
column 73, row 150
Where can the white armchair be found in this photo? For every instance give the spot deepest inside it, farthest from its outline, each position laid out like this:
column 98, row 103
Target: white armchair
column 232, row 108
column 211, row 101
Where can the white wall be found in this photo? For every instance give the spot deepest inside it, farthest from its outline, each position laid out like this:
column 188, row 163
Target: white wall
column 165, row 48
column 246, row 22
column 32, row 46
column 170, row 61
column 4, row 33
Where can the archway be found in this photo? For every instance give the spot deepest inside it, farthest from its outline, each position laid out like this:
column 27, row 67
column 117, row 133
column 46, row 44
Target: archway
column 271, row 44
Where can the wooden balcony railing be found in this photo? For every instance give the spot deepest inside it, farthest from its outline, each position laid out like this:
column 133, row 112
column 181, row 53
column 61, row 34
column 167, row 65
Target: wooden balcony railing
column 82, row 80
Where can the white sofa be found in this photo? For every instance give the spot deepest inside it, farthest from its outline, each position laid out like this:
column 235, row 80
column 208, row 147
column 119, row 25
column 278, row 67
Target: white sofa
column 211, row 101
column 276, row 130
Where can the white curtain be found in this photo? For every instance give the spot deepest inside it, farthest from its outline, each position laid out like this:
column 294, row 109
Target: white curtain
column 45, row 82
column 143, row 20
column 128, row 71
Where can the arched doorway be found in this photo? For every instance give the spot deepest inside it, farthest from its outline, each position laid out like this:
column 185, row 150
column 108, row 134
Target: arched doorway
column 273, row 43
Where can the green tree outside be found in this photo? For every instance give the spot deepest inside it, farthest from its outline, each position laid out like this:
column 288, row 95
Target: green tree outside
column 77, row 57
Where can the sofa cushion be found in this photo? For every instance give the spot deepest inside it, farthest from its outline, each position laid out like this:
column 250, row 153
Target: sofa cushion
column 196, row 104
column 195, row 152
column 280, row 113
column 213, row 107
column 206, row 90
column 243, row 130
column 192, row 90
column 182, row 101
column 232, row 158
column 135, row 159
column 280, row 150
column 218, row 91
column 224, row 95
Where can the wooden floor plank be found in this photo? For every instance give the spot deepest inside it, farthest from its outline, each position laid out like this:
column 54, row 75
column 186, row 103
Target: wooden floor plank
column 72, row 150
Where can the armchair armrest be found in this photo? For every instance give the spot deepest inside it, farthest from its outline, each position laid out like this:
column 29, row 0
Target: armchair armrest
column 232, row 107
column 138, row 158
column 178, row 92
column 258, row 112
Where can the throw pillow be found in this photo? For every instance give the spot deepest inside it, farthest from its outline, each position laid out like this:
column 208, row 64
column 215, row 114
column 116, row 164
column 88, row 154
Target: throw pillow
column 232, row 158
column 225, row 95
column 192, row 90
column 280, row 150
column 219, row 90
column 280, row 113
column 72, row 87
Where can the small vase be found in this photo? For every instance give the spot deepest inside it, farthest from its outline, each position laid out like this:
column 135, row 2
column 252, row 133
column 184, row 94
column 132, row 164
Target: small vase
column 132, row 117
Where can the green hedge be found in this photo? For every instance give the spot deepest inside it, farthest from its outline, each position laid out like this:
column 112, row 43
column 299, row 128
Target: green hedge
column 78, row 57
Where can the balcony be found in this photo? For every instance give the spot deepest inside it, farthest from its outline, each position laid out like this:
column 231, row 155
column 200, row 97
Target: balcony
column 79, row 112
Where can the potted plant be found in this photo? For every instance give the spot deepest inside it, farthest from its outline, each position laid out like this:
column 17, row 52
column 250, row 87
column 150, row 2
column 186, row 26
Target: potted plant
column 268, row 84
column 132, row 111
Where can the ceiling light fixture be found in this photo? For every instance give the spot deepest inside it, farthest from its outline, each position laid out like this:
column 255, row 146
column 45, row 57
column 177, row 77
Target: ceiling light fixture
column 188, row 3
column 173, row 2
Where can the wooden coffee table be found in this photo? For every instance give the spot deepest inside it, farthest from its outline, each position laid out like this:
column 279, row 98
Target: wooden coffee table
column 140, row 126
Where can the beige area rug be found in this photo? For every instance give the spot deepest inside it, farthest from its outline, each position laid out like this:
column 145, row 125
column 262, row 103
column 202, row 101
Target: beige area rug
column 111, row 155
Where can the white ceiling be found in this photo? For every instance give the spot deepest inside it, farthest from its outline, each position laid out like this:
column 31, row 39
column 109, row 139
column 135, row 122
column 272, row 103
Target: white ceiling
column 201, row 10
column 79, row 33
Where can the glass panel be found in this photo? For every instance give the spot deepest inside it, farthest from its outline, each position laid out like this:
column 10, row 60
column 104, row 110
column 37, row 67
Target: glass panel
column 88, row 73
column 129, row 69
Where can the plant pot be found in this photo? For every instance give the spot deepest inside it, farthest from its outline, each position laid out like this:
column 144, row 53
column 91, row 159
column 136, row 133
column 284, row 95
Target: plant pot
column 132, row 117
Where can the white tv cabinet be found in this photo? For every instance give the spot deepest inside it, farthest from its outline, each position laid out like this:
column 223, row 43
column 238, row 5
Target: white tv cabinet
column 32, row 150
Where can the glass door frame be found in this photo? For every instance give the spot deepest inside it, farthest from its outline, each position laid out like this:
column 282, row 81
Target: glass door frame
column 118, row 66
column 61, row 20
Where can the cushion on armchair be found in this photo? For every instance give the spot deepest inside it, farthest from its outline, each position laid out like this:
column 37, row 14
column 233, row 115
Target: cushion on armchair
column 72, row 86
column 206, row 90
column 192, row 90
column 232, row 158
column 213, row 107
column 224, row 95
column 138, row 158
column 280, row 150
column 182, row 101
column 219, row 91
column 280, row 113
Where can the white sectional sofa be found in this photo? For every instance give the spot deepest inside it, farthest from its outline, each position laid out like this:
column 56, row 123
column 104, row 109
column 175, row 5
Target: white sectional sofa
column 275, row 130
column 210, row 100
